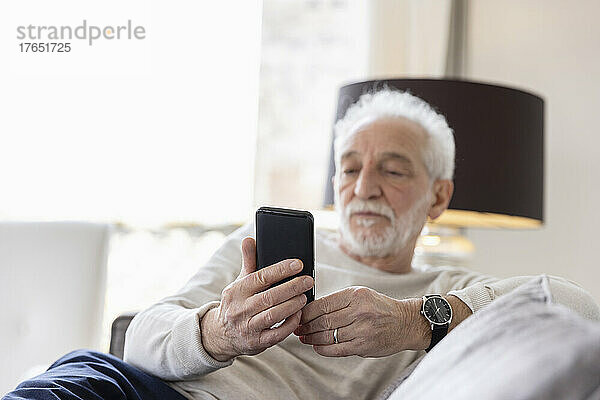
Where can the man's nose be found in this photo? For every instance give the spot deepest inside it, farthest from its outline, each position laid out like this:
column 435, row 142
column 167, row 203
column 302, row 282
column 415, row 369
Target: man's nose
column 367, row 185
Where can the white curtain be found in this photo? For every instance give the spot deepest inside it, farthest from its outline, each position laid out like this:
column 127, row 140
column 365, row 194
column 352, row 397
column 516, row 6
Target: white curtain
column 408, row 38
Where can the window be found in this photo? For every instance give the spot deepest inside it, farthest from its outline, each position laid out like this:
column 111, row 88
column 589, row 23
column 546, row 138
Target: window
column 309, row 50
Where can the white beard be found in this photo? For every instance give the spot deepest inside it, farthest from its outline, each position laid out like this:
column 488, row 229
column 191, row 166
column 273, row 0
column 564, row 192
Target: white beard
column 396, row 236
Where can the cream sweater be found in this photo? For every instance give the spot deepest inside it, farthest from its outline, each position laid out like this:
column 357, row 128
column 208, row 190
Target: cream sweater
column 165, row 339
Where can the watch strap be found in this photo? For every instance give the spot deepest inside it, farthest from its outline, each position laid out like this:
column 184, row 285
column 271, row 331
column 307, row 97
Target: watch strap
column 437, row 333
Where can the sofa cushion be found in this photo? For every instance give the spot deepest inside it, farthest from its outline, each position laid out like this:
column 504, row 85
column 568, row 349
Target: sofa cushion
column 522, row 346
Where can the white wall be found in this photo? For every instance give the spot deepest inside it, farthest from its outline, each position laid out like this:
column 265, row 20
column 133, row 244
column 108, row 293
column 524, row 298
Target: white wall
column 552, row 48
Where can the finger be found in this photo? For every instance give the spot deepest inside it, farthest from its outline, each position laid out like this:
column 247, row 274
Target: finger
column 267, row 318
column 317, row 338
column 326, row 337
column 265, row 277
column 280, row 293
column 326, row 322
column 325, row 305
column 248, row 256
column 269, row 337
column 337, row 350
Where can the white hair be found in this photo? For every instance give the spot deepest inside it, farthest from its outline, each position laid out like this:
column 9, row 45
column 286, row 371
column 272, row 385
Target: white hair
column 438, row 154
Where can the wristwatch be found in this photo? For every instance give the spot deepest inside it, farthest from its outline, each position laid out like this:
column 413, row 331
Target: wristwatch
column 438, row 313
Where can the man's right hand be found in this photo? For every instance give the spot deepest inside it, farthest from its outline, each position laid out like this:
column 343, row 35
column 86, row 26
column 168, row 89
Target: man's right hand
column 242, row 322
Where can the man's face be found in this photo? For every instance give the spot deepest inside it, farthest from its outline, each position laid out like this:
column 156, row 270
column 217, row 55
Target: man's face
column 382, row 187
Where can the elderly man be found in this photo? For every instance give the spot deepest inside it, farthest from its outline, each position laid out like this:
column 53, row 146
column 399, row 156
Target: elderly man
column 216, row 338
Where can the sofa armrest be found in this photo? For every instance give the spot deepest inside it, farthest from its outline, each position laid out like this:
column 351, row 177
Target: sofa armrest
column 117, row 334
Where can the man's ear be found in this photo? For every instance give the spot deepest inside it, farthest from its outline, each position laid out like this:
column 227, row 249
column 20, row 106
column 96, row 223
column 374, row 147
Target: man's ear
column 442, row 193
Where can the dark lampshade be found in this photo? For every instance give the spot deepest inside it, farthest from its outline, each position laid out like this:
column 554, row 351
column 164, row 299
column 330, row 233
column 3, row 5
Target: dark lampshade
column 499, row 135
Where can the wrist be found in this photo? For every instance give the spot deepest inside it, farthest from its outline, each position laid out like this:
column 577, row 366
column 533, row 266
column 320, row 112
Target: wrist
column 212, row 339
column 460, row 311
column 418, row 329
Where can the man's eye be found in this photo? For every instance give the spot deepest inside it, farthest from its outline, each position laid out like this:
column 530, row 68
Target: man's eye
column 350, row 171
column 395, row 173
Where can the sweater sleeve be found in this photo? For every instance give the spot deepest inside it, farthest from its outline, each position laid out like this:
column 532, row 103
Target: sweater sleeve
column 565, row 292
column 165, row 340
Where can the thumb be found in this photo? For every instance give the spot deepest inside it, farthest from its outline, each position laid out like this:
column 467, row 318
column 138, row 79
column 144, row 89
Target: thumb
column 248, row 256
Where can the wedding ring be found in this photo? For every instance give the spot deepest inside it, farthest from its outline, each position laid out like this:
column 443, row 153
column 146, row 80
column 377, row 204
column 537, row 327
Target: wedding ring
column 335, row 336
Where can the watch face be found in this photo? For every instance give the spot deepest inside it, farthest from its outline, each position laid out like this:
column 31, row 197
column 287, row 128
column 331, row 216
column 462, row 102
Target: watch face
column 437, row 310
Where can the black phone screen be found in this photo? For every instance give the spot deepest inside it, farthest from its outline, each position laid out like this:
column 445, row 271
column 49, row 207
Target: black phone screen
column 283, row 233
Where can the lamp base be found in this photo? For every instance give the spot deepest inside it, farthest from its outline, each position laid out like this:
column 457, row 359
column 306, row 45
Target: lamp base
column 443, row 245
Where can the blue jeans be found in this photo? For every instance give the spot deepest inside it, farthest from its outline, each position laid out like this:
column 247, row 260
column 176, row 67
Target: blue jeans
column 87, row 375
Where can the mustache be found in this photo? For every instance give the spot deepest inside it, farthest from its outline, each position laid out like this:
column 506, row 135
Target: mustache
column 358, row 205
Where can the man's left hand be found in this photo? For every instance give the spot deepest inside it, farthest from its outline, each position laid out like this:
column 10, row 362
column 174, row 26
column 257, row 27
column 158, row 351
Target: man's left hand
column 369, row 323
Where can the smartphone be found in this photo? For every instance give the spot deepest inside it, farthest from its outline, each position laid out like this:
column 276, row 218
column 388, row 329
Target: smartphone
column 283, row 233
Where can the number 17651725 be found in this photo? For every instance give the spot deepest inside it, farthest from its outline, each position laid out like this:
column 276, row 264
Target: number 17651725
column 35, row 47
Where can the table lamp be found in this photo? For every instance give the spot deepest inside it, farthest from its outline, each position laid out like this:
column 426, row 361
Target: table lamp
column 499, row 173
